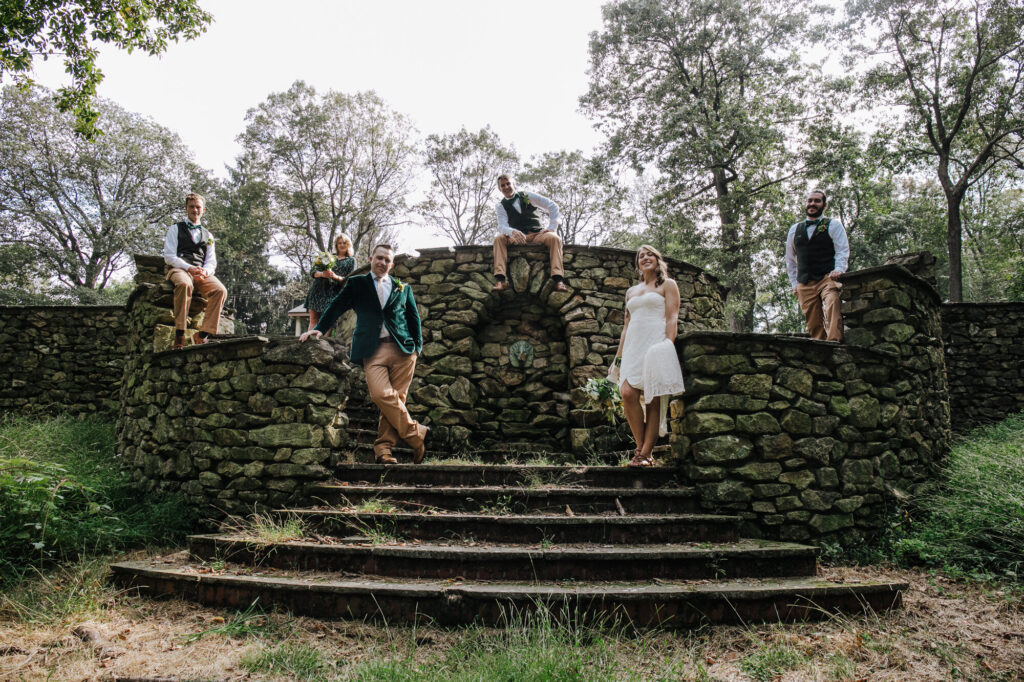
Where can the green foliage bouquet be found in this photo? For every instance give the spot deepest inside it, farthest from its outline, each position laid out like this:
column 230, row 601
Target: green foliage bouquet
column 603, row 394
column 324, row 261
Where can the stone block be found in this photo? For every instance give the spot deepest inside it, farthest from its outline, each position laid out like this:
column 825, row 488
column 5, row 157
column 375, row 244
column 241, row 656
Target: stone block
column 824, row 524
column 288, row 435
column 796, row 423
column 777, row 446
column 724, row 491
column 755, row 385
column 721, row 449
column 759, row 423
column 759, row 471
column 708, row 422
column 798, row 479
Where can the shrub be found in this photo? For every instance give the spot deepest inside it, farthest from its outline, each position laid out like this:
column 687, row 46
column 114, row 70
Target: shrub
column 64, row 494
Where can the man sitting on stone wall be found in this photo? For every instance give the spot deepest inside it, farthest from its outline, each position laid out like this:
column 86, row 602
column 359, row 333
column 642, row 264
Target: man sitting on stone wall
column 518, row 223
column 387, row 339
column 191, row 261
column 817, row 252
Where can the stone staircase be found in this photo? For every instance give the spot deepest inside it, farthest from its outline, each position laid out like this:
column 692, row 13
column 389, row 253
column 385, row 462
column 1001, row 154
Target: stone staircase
column 454, row 543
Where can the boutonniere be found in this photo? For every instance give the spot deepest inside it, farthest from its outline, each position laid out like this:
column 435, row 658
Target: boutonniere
column 822, row 227
column 399, row 283
column 525, row 199
column 209, row 238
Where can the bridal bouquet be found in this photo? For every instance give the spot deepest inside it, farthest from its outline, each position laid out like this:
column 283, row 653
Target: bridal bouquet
column 603, row 395
column 324, row 261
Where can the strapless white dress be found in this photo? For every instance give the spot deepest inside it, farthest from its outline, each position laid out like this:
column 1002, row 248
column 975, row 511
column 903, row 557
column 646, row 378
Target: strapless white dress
column 649, row 360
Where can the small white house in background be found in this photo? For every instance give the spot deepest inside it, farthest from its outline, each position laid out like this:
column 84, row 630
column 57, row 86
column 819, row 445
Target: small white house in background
column 301, row 317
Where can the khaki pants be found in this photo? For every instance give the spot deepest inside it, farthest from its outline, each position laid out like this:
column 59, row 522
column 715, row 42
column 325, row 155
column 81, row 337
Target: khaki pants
column 546, row 237
column 388, row 375
column 210, row 288
column 819, row 302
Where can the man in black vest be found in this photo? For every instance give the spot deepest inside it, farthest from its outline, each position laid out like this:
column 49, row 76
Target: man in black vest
column 191, row 262
column 518, row 223
column 817, row 252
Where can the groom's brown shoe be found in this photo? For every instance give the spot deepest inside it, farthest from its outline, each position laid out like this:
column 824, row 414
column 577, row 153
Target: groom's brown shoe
column 560, row 286
column 500, row 285
column 386, row 458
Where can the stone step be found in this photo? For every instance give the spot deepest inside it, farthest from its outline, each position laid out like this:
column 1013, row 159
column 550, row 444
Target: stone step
column 525, row 475
column 641, row 603
column 743, row 559
column 516, row 500
column 527, row 528
column 361, row 449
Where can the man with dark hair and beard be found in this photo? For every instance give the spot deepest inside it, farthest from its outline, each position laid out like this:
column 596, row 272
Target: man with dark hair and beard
column 817, row 253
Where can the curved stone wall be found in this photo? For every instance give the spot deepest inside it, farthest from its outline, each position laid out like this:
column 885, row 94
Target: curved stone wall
column 505, row 369
column 812, row 440
column 238, row 425
column 61, row 358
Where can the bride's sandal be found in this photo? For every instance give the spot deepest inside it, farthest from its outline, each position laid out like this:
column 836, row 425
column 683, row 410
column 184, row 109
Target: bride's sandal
column 641, row 461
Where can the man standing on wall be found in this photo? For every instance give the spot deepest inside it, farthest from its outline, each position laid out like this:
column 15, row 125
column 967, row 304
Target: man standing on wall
column 387, row 339
column 518, row 223
column 191, row 261
column 817, row 252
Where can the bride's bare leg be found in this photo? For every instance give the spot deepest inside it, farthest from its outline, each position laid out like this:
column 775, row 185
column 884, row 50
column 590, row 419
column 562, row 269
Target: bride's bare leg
column 651, row 427
column 634, row 412
column 314, row 317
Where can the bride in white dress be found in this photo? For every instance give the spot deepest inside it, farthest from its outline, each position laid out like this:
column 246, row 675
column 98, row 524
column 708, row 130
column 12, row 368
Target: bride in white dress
column 646, row 364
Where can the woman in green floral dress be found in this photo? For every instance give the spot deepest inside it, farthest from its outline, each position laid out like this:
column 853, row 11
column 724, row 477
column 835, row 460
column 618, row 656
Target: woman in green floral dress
column 327, row 282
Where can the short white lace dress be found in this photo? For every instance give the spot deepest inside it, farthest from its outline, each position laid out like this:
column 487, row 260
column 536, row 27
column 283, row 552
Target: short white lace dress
column 649, row 360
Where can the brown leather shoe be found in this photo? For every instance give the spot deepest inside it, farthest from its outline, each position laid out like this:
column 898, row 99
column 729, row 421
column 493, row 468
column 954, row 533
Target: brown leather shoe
column 420, row 450
column 560, row 286
column 386, row 459
column 199, row 340
column 500, row 285
column 179, row 343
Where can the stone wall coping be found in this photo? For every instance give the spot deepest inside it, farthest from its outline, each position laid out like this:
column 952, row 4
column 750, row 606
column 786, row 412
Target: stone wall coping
column 33, row 308
column 778, row 340
column 575, row 249
column 232, row 343
column 1001, row 305
column 147, row 259
column 895, row 272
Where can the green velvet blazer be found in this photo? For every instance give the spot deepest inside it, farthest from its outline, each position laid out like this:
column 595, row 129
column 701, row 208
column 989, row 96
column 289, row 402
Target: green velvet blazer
column 399, row 315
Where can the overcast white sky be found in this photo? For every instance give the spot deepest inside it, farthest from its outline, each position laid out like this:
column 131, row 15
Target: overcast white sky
column 445, row 64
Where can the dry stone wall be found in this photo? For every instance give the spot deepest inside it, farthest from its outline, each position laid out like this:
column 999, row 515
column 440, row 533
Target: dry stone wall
column 984, row 361
column 812, row 440
column 506, row 369
column 61, row 359
column 238, row 425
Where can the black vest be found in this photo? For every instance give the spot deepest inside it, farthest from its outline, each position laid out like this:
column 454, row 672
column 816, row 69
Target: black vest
column 528, row 221
column 815, row 256
column 188, row 251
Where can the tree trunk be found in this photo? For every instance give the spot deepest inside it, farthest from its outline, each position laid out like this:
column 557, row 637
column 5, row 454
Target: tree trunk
column 954, row 237
column 736, row 267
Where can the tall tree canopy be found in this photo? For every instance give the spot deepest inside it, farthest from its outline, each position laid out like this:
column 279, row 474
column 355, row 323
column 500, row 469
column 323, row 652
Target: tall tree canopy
column 589, row 201
column 40, row 28
column 957, row 69
column 464, row 167
column 332, row 163
column 708, row 91
column 84, row 206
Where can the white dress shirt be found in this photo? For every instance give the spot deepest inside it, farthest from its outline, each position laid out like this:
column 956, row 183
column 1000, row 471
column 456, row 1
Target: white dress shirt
column 839, row 241
column 541, row 201
column 171, row 249
column 383, row 287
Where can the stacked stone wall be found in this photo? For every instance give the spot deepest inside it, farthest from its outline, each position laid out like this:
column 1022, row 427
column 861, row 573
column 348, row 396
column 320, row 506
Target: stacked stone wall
column 506, row 369
column 811, row 440
column 984, row 361
column 237, row 425
column 61, row 359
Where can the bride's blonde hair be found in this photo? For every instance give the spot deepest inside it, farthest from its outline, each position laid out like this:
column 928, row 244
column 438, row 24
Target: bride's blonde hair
column 662, row 265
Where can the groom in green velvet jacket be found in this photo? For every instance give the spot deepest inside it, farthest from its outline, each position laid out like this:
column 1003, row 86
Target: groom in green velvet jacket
column 387, row 339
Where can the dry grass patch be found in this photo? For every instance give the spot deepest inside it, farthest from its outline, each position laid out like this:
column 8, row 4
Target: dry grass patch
column 948, row 630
